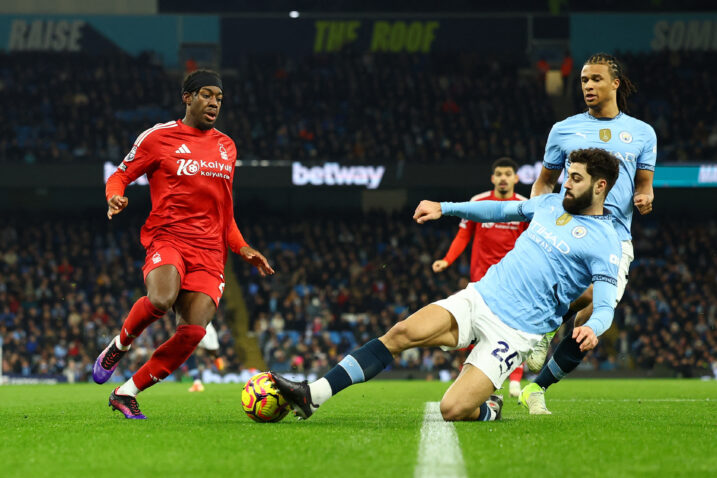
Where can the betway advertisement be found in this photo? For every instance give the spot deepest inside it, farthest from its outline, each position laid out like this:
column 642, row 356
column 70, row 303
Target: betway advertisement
column 591, row 33
column 334, row 174
column 386, row 176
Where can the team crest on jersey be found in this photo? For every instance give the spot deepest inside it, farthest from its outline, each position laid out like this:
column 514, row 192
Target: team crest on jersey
column 625, row 137
column 605, row 135
column 579, row 232
column 564, row 219
column 156, row 258
column 223, row 152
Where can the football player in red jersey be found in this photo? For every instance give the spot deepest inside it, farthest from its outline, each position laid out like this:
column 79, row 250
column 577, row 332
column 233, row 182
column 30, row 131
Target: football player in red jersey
column 491, row 241
column 190, row 168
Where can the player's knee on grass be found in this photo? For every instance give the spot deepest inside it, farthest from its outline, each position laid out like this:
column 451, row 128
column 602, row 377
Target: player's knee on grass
column 456, row 410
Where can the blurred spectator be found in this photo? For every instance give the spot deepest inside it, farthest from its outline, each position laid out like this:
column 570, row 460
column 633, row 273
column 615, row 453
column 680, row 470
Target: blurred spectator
column 566, row 71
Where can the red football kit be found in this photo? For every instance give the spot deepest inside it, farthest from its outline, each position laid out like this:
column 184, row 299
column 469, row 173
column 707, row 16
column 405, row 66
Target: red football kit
column 190, row 173
column 491, row 241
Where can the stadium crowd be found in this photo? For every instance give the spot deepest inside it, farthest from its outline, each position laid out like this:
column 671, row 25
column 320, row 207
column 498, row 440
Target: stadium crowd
column 348, row 107
column 66, row 284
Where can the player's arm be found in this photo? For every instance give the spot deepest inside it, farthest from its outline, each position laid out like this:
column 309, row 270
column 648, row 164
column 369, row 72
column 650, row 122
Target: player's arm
column 462, row 239
column 604, row 295
column 478, row 211
column 239, row 246
column 545, row 184
column 553, row 164
column 138, row 161
column 114, row 192
column 645, row 173
column 644, row 193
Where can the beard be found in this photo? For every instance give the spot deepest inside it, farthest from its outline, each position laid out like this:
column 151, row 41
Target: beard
column 574, row 205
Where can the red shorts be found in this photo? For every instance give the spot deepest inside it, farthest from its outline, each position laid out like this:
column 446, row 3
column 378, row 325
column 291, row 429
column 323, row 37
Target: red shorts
column 200, row 270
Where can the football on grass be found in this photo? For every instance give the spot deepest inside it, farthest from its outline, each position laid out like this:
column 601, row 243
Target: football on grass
column 261, row 401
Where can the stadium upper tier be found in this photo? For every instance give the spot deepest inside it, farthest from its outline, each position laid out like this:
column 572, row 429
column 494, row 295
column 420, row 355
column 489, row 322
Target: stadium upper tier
column 348, row 107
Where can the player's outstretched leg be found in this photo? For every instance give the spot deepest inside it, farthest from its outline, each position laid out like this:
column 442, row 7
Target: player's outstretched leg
column 126, row 404
column 431, row 326
column 140, row 316
column 360, row 365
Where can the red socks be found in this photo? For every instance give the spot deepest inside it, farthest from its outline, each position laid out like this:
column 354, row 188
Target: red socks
column 517, row 374
column 142, row 314
column 169, row 356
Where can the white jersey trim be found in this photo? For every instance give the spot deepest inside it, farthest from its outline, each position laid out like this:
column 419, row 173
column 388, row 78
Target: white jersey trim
column 158, row 126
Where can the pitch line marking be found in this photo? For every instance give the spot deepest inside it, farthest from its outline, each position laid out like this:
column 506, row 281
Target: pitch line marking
column 439, row 452
column 630, row 400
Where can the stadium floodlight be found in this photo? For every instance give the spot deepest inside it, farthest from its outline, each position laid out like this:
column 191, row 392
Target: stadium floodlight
column 294, row 14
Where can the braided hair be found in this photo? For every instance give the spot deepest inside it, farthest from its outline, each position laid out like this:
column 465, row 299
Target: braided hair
column 617, row 70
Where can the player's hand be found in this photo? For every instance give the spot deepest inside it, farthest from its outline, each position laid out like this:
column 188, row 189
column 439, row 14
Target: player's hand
column 643, row 203
column 440, row 265
column 427, row 211
column 115, row 205
column 255, row 258
column 585, row 337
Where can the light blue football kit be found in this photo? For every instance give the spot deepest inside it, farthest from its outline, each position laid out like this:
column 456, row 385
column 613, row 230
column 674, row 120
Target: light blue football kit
column 631, row 141
column 552, row 263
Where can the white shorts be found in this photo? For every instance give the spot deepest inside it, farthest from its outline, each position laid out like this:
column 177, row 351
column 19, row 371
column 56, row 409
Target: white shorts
column 623, row 270
column 210, row 341
column 499, row 349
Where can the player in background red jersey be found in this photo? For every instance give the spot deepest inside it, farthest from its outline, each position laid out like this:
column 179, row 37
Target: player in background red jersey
column 491, row 241
column 190, row 168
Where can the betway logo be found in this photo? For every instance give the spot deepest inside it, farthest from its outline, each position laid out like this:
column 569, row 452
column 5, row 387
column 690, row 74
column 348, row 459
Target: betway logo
column 332, row 174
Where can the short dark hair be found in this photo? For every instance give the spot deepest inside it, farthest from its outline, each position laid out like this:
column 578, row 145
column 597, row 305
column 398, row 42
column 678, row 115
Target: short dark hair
column 504, row 162
column 599, row 164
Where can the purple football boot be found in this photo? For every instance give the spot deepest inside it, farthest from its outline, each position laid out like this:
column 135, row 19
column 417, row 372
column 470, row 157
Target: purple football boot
column 107, row 362
column 126, row 404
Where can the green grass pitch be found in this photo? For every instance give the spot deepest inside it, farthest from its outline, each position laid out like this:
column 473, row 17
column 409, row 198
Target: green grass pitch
column 616, row 428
